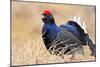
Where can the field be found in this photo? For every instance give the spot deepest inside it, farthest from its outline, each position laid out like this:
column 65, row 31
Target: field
column 27, row 45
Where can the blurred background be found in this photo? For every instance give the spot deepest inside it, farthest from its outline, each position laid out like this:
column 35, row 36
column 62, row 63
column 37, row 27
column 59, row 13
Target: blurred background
column 27, row 44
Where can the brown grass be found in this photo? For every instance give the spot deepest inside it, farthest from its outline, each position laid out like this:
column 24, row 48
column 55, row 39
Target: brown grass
column 33, row 51
column 27, row 45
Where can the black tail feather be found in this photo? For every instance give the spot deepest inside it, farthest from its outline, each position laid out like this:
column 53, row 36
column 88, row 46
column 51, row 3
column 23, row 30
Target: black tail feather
column 91, row 46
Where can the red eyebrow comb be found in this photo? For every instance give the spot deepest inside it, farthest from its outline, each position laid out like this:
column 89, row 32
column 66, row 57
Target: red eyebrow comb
column 47, row 12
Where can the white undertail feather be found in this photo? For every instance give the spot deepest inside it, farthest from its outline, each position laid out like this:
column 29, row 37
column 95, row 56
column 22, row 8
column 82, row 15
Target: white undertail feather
column 82, row 24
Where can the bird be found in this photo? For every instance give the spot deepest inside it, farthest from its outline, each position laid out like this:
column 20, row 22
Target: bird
column 64, row 39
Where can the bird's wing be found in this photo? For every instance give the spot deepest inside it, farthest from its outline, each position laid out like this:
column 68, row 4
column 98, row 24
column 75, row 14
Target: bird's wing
column 71, row 29
column 70, row 41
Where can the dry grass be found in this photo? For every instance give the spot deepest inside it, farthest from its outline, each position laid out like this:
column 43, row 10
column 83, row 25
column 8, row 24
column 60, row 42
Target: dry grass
column 27, row 45
column 33, row 51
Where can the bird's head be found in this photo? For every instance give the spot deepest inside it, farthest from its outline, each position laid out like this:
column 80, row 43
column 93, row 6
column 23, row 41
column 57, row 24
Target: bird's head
column 47, row 17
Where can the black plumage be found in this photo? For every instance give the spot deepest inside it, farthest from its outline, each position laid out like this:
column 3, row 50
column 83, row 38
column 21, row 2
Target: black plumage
column 65, row 39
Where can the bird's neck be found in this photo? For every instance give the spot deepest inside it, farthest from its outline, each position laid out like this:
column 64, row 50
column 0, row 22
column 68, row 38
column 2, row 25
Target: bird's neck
column 51, row 25
column 50, row 22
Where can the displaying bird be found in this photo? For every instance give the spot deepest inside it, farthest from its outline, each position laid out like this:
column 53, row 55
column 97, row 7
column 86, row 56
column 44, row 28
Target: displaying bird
column 63, row 39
